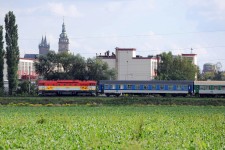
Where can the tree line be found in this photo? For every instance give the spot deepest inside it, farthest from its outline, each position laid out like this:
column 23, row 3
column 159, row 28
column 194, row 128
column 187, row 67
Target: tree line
column 68, row 66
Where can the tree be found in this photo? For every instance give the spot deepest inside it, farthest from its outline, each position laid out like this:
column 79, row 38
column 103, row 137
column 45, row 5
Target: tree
column 175, row 68
column 67, row 66
column 78, row 68
column 12, row 51
column 99, row 70
column 2, row 53
column 46, row 65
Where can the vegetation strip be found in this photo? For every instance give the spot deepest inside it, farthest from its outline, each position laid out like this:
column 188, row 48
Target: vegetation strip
column 26, row 101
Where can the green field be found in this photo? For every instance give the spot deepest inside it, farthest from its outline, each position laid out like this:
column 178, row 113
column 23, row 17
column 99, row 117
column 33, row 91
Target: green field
column 112, row 127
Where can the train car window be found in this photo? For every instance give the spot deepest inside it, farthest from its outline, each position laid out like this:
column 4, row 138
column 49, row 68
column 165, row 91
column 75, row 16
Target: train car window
column 113, row 86
column 120, row 86
column 153, row 87
column 129, row 86
column 216, row 88
column 170, row 87
column 178, row 87
column 137, row 87
column 145, row 87
column 106, row 86
column 202, row 87
column 161, row 87
column 222, row 87
column 185, row 87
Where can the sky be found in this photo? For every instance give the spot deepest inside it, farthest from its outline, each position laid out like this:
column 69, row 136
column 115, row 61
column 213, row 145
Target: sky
column 150, row 26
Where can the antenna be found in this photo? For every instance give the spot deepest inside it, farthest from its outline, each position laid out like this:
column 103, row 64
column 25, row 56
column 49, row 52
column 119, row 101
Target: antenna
column 191, row 50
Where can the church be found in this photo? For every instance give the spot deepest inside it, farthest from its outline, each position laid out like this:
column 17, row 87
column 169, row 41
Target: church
column 63, row 44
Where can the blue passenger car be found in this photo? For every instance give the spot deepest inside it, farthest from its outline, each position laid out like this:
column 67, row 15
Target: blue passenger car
column 135, row 87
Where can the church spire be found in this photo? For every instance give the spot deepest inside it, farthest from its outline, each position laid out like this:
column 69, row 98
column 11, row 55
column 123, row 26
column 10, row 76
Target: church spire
column 63, row 40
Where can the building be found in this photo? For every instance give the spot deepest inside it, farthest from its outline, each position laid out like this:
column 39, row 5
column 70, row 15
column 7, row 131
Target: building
column 44, row 47
column 63, row 41
column 26, row 69
column 130, row 66
column 209, row 67
column 31, row 56
column 191, row 57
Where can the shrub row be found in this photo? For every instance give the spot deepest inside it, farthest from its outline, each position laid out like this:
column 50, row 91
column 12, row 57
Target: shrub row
column 93, row 101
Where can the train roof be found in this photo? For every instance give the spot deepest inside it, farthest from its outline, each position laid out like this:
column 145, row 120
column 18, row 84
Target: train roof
column 209, row 82
column 67, row 81
column 145, row 81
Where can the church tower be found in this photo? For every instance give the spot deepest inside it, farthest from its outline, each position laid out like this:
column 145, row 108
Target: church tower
column 44, row 46
column 63, row 40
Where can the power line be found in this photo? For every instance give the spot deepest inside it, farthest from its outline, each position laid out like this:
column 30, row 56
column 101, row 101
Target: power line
column 137, row 35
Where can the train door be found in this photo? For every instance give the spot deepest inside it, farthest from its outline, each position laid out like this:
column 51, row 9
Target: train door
column 196, row 89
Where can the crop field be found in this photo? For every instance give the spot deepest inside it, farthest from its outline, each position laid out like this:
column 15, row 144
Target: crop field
column 112, row 127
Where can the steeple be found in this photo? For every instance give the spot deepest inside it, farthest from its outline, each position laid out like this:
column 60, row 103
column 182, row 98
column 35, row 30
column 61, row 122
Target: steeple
column 44, row 46
column 63, row 40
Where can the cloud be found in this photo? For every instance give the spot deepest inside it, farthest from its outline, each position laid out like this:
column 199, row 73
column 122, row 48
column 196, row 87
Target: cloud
column 60, row 9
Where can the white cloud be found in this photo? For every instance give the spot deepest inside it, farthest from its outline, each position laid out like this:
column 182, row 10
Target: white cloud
column 60, row 9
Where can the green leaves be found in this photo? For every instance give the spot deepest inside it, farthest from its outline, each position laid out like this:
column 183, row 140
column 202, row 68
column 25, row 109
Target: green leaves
column 12, row 50
column 175, row 68
column 128, row 127
column 68, row 66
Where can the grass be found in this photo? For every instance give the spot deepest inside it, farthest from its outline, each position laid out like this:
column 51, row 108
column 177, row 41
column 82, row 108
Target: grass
column 112, row 101
column 112, row 127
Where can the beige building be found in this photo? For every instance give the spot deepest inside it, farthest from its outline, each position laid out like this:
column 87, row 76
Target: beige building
column 130, row 66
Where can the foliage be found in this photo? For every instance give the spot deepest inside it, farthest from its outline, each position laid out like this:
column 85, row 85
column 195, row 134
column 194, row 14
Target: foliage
column 2, row 55
column 175, row 68
column 12, row 51
column 113, row 101
column 84, row 127
column 26, row 88
column 46, row 64
column 67, row 66
column 217, row 76
column 99, row 70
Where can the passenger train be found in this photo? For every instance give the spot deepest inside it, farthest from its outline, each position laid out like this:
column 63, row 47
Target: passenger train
column 126, row 87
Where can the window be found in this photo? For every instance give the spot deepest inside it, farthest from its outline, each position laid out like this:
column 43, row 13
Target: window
column 106, row 86
column 145, row 87
column 129, row 86
column 179, row 87
column 202, row 87
column 185, row 87
column 137, row 87
column 170, row 87
column 161, row 87
column 153, row 87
